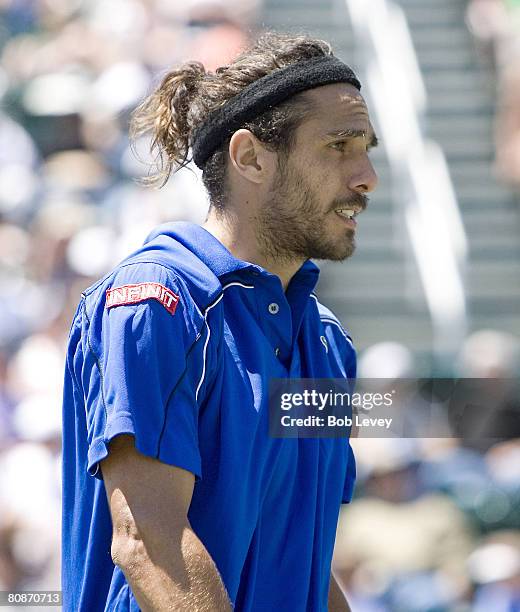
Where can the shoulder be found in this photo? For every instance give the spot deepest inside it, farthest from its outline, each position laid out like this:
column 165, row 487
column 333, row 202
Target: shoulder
column 164, row 272
column 132, row 285
column 150, row 299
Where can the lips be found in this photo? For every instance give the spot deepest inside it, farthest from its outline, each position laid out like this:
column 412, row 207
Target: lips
column 348, row 213
column 350, row 221
column 356, row 203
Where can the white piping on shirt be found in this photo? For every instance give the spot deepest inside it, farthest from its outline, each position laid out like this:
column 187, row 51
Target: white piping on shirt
column 206, row 342
column 326, row 319
column 239, row 284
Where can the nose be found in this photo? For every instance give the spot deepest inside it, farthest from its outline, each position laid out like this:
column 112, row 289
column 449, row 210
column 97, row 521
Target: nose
column 364, row 180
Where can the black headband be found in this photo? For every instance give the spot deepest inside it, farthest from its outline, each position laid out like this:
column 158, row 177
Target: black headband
column 265, row 93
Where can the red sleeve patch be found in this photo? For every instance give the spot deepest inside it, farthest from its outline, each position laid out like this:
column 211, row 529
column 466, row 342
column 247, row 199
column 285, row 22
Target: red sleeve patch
column 133, row 294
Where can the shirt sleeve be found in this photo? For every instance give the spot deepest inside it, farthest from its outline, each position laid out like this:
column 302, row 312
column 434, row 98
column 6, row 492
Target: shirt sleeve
column 143, row 365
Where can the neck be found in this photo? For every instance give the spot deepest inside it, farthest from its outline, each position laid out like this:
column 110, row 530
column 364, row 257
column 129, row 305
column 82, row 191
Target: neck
column 239, row 237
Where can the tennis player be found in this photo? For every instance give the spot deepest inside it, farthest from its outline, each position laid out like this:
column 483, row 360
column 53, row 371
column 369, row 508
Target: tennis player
column 175, row 497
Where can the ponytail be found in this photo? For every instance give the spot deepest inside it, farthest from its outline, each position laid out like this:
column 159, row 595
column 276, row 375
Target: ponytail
column 188, row 95
column 166, row 115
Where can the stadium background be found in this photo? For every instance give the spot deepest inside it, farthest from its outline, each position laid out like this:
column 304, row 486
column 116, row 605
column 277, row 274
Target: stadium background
column 435, row 525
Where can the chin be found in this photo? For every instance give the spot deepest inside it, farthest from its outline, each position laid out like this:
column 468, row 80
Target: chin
column 346, row 250
column 345, row 254
column 337, row 253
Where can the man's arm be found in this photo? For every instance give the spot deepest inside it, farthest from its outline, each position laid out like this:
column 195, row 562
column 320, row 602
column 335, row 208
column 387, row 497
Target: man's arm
column 166, row 565
column 337, row 601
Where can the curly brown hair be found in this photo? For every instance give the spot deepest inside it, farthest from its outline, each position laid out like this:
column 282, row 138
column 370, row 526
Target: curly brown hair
column 187, row 95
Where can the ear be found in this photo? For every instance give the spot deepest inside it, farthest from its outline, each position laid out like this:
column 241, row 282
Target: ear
column 250, row 158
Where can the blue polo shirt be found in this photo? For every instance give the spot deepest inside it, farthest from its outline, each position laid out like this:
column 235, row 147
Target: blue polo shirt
column 176, row 346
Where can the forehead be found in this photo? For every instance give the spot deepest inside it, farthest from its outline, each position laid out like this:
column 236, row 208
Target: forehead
column 336, row 107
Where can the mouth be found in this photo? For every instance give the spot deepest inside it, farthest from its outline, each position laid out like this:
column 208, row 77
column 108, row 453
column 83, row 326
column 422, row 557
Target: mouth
column 348, row 215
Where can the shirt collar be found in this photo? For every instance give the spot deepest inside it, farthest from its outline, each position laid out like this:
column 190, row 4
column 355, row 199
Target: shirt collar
column 217, row 257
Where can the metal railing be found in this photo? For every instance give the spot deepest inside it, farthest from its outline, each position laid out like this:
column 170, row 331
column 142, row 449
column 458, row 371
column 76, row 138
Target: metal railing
column 422, row 187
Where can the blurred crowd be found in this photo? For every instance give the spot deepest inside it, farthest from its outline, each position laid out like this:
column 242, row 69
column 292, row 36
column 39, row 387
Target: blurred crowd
column 434, row 527
column 435, row 524
column 495, row 25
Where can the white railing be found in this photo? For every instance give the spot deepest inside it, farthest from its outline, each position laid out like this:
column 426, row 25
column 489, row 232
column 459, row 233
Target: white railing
column 422, row 187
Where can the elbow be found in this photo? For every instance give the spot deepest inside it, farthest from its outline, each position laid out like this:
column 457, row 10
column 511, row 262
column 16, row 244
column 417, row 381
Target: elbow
column 127, row 545
column 135, row 547
column 141, row 539
column 127, row 551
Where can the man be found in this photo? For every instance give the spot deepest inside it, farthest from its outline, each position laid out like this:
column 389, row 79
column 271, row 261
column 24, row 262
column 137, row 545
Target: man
column 175, row 496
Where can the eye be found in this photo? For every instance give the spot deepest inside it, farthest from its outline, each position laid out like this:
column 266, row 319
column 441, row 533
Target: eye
column 339, row 145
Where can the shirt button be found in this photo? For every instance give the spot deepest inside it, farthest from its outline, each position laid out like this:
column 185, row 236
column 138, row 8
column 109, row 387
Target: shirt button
column 274, row 308
column 276, row 351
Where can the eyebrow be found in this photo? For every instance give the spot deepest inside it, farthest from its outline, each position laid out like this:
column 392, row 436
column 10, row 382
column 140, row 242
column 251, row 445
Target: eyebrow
column 351, row 133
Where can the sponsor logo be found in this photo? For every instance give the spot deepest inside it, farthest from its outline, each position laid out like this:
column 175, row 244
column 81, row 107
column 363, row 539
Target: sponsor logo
column 133, row 294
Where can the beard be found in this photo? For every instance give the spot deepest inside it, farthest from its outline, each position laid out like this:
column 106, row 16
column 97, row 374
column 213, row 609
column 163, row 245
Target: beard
column 292, row 225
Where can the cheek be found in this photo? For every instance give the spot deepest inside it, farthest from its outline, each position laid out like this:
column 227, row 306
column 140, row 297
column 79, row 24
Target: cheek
column 317, row 185
column 319, row 174
column 326, row 187
column 327, row 171
column 316, row 179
